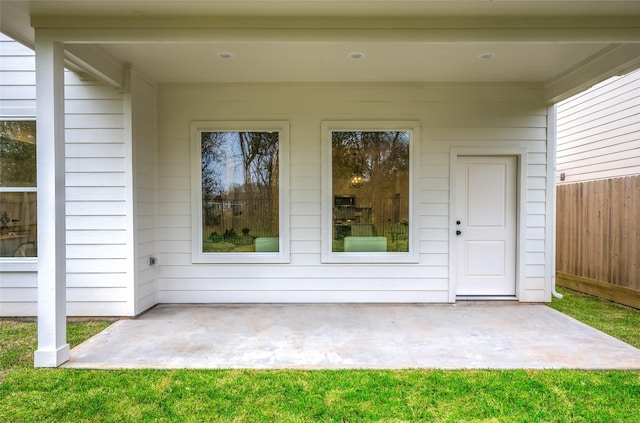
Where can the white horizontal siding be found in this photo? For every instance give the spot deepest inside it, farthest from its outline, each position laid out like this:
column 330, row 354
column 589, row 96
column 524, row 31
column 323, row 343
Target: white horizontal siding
column 450, row 115
column 18, row 289
column 91, row 164
column 97, row 181
column 18, row 294
column 96, row 222
column 19, row 308
column 107, row 107
column 17, row 79
column 294, row 284
column 105, row 135
column 598, row 131
column 96, row 208
column 92, row 194
column 98, row 236
column 100, row 307
column 11, row 77
column 91, row 251
column 118, row 280
column 305, row 296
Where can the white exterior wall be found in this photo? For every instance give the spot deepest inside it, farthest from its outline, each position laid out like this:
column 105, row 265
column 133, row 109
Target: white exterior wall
column 98, row 185
column 18, row 279
column 599, row 131
column 120, row 213
column 17, row 76
column 99, row 239
column 451, row 116
column 141, row 100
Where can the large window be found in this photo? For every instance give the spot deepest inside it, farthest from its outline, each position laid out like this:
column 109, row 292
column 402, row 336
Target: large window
column 369, row 178
column 239, row 197
column 18, row 224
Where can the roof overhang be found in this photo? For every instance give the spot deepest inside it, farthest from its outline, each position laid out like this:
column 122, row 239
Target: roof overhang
column 564, row 46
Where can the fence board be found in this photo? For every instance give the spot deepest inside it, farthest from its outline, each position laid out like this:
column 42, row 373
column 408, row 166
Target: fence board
column 618, row 294
column 598, row 231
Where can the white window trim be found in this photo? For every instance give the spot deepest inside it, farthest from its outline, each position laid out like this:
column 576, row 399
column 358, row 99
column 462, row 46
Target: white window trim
column 328, row 256
column 197, row 255
column 19, row 264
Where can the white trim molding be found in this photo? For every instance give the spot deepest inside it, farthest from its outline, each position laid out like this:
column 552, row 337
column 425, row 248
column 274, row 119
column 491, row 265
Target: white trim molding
column 283, row 253
column 328, row 256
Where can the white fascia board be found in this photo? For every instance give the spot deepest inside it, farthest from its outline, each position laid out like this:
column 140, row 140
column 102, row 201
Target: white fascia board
column 78, row 58
column 14, row 22
column 616, row 59
column 97, row 63
column 97, row 29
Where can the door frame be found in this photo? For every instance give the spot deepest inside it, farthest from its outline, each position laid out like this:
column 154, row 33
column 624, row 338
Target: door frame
column 521, row 202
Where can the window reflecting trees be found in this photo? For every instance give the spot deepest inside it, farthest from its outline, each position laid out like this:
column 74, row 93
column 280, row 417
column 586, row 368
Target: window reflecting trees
column 370, row 190
column 18, row 224
column 240, row 191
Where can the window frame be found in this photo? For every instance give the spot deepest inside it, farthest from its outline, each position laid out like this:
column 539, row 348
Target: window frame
column 20, row 264
column 329, row 256
column 197, row 255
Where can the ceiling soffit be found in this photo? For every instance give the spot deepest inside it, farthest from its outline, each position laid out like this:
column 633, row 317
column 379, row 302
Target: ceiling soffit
column 332, row 7
column 443, row 29
column 574, row 40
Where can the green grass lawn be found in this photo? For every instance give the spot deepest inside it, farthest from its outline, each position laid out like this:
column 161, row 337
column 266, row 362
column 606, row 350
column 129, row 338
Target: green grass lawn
column 616, row 320
column 37, row 395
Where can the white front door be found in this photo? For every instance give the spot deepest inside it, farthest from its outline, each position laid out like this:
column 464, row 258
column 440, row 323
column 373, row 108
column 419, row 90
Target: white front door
column 486, row 225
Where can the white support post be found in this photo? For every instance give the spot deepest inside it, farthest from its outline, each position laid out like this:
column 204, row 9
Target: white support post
column 53, row 349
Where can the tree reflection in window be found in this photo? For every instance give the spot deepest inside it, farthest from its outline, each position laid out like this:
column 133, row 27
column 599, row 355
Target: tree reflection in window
column 18, row 153
column 370, row 188
column 18, row 179
column 240, row 203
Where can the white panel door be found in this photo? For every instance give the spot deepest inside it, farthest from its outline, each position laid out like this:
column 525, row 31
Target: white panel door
column 486, row 226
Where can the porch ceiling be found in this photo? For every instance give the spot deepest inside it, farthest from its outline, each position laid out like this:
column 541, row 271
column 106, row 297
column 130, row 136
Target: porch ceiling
column 138, row 8
column 330, row 62
column 179, row 41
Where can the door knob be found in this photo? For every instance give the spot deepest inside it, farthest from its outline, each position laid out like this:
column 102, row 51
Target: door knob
column 458, row 232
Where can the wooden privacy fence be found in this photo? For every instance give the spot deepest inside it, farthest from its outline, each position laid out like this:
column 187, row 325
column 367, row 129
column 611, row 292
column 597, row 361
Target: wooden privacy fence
column 598, row 238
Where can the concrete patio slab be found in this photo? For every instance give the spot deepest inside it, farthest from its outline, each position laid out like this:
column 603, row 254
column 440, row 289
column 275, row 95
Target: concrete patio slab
column 335, row 336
